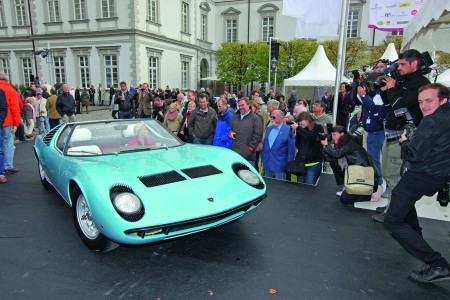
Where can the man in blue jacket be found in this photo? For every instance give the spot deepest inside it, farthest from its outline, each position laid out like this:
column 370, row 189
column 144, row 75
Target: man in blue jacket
column 278, row 148
column 224, row 120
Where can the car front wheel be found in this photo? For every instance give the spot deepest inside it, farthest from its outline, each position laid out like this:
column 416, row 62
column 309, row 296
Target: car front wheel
column 86, row 228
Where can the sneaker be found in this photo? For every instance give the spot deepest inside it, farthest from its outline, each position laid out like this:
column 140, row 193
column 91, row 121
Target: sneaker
column 430, row 274
column 386, row 193
column 377, row 195
column 381, row 209
column 3, row 179
column 340, row 192
column 379, row 217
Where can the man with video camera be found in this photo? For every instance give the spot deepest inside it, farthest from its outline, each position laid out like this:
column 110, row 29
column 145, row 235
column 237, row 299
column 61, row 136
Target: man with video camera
column 428, row 171
column 401, row 93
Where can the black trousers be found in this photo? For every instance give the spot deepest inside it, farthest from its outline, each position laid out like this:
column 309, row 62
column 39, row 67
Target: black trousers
column 401, row 218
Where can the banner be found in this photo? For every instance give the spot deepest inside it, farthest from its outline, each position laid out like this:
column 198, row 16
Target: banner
column 392, row 15
column 314, row 17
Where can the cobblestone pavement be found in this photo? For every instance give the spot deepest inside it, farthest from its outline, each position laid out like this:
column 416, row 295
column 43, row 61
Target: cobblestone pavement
column 95, row 113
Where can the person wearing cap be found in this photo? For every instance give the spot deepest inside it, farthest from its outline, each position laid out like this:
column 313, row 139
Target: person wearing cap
column 42, row 113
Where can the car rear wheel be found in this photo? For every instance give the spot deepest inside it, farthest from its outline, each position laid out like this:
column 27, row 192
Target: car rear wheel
column 42, row 177
column 86, row 228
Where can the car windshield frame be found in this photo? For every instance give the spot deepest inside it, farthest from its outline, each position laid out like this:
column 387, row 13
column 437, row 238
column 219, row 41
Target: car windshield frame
column 117, row 137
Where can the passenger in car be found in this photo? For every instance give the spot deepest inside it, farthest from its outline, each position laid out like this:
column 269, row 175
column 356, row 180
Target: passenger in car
column 141, row 139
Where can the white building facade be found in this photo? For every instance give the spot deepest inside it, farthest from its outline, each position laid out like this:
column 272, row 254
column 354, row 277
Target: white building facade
column 162, row 42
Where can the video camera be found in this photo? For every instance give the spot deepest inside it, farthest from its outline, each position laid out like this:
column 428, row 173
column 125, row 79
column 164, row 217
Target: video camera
column 328, row 129
column 370, row 79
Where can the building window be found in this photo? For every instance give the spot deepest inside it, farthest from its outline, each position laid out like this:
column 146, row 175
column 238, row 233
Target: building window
column 2, row 16
column 353, row 20
column 231, row 30
column 53, row 11
column 80, row 9
column 108, row 8
column 267, row 28
column 58, row 65
column 152, row 10
column 184, row 75
column 204, row 26
column 397, row 33
column 4, row 66
column 111, row 70
column 184, row 17
column 20, row 12
column 153, row 72
column 84, row 71
column 27, row 70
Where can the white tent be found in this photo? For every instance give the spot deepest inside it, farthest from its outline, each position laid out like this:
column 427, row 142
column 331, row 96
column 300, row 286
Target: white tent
column 390, row 53
column 314, row 79
column 429, row 30
column 444, row 78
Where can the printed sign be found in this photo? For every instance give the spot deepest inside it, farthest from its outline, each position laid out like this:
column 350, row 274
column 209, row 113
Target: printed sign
column 392, row 15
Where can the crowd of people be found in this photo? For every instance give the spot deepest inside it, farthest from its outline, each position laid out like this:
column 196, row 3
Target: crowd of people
column 269, row 132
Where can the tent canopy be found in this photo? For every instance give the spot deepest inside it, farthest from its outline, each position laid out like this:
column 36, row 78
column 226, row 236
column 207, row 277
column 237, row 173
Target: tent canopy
column 429, row 30
column 390, row 53
column 318, row 72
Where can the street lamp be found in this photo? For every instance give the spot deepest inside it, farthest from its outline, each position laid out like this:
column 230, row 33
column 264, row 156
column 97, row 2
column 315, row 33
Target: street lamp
column 273, row 63
column 291, row 64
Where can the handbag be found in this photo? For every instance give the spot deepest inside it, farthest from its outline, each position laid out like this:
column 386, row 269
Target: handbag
column 359, row 180
column 295, row 167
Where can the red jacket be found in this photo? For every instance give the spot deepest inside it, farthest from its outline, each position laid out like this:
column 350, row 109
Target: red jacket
column 12, row 99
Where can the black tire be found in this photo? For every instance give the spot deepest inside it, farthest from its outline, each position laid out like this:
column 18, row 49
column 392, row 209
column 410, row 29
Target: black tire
column 44, row 180
column 86, row 228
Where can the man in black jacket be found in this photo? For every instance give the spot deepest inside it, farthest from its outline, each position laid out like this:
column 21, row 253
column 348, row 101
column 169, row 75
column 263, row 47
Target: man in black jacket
column 124, row 99
column 400, row 93
column 427, row 155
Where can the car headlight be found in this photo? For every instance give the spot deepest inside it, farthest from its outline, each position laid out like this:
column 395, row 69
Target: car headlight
column 249, row 177
column 127, row 203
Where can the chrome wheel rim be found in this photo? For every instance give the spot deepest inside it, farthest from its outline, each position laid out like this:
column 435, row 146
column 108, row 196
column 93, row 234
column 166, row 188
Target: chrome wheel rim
column 84, row 219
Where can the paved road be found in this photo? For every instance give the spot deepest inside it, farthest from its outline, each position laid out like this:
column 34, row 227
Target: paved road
column 301, row 241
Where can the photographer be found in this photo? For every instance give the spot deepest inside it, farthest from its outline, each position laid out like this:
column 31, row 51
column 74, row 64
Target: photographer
column 401, row 93
column 145, row 103
column 346, row 151
column 307, row 141
column 373, row 115
column 428, row 163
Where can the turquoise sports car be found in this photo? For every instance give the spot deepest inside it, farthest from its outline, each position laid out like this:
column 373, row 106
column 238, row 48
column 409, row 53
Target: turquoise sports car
column 135, row 182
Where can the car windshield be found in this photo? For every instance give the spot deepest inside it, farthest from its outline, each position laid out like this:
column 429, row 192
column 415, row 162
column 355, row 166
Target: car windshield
column 115, row 137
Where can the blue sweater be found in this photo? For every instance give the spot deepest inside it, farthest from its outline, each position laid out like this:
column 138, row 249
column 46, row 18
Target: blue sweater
column 373, row 109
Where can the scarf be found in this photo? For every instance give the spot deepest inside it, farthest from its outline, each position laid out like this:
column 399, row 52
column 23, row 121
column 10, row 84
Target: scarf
column 172, row 115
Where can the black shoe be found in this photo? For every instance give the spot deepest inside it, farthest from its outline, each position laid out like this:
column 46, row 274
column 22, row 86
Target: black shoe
column 380, row 209
column 430, row 274
column 23, row 141
column 379, row 217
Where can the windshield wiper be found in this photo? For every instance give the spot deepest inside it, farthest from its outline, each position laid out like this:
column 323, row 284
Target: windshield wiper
column 83, row 151
column 135, row 150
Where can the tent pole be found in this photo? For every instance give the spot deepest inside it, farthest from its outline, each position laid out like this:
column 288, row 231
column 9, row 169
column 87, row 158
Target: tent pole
column 341, row 55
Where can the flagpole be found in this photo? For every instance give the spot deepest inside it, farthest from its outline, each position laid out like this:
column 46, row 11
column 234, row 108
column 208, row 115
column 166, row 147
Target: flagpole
column 341, row 55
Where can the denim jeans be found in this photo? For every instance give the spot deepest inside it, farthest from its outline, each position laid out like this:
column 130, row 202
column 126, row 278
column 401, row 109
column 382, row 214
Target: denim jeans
column 53, row 123
column 375, row 142
column 46, row 124
column 2, row 159
column 8, row 147
column 311, row 175
column 203, row 141
column 401, row 217
column 124, row 114
column 273, row 174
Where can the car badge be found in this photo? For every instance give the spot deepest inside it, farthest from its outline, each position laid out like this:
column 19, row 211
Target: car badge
column 211, row 199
